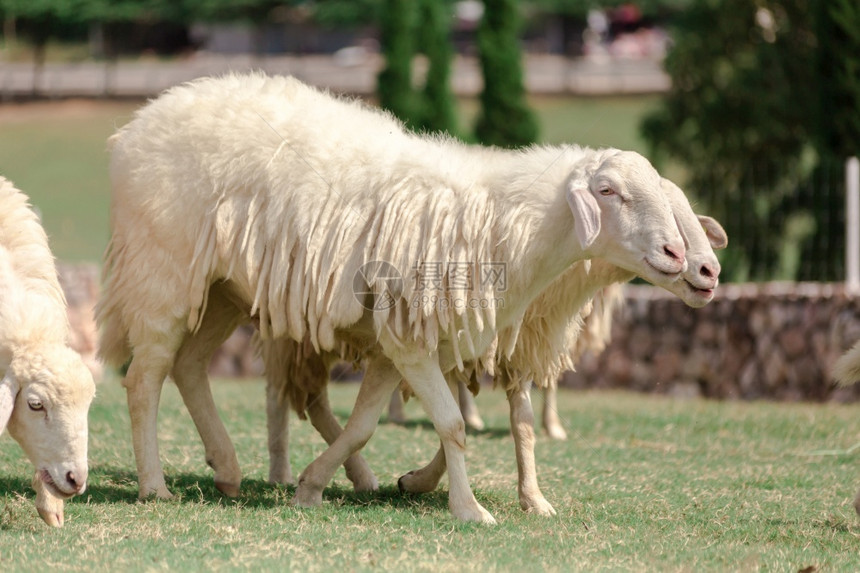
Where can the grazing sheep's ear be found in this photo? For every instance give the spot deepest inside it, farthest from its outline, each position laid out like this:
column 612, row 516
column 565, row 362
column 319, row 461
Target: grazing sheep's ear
column 586, row 211
column 8, row 393
column 714, row 231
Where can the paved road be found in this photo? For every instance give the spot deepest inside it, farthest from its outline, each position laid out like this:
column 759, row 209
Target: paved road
column 144, row 78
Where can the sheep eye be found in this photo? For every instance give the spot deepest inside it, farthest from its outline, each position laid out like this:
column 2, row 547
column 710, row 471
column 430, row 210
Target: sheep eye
column 606, row 191
column 35, row 405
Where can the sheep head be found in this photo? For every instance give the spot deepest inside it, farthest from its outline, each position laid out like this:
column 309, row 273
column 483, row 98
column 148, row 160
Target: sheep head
column 45, row 396
column 622, row 215
column 701, row 236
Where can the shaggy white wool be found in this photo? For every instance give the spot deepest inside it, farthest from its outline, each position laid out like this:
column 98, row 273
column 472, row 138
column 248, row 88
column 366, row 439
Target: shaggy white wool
column 238, row 162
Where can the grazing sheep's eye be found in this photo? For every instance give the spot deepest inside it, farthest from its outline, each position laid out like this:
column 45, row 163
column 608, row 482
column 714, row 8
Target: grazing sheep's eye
column 35, row 405
column 606, row 191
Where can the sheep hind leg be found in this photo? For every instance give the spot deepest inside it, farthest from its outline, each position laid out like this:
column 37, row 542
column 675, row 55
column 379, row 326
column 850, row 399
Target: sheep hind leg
column 469, row 408
column 380, row 379
column 190, row 375
column 426, row 479
column 322, row 418
column 396, row 413
column 522, row 427
column 429, row 385
column 551, row 421
column 278, row 424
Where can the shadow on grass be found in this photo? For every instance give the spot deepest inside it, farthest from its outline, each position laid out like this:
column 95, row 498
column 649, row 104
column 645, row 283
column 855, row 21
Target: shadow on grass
column 427, row 425
column 110, row 485
column 424, row 423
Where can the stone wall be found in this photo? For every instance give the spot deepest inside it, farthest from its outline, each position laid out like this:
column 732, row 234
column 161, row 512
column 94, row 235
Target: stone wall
column 770, row 340
column 81, row 284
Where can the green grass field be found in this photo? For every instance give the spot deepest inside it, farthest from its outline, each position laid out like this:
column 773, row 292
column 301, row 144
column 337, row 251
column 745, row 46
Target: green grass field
column 56, row 153
column 644, row 483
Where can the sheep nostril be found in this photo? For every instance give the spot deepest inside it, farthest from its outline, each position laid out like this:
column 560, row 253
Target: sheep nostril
column 673, row 253
column 70, row 477
column 707, row 271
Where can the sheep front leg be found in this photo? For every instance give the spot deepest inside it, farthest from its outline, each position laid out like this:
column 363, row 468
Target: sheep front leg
column 522, row 427
column 322, row 418
column 857, row 502
column 430, row 386
column 380, row 379
column 50, row 508
column 278, row 425
column 147, row 372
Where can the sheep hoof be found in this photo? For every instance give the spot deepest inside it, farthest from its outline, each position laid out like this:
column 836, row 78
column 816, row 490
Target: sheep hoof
column 476, row 513
column 412, row 483
column 281, row 480
column 474, row 422
column 365, row 483
column 53, row 518
column 556, row 433
column 538, row 507
column 228, row 489
column 50, row 508
column 160, row 492
column 307, row 496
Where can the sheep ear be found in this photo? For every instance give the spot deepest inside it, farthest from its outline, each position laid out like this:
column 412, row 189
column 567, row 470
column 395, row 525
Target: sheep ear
column 714, row 231
column 8, row 393
column 586, row 211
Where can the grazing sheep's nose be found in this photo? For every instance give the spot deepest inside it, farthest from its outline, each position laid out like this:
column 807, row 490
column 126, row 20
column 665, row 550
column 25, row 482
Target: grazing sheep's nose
column 77, row 481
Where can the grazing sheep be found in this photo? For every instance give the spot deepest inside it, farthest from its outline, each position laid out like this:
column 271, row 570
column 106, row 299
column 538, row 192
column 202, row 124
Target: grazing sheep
column 551, row 339
column 846, row 370
column 280, row 194
column 46, row 390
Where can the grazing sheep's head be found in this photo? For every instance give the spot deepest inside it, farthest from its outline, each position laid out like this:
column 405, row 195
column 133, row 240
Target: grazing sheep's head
column 623, row 215
column 701, row 236
column 44, row 399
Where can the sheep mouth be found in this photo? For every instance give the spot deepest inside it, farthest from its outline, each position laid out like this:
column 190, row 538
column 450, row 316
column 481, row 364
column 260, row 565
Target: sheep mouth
column 706, row 292
column 663, row 272
column 53, row 488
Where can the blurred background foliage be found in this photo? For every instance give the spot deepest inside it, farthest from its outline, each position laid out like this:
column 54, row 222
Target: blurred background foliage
column 761, row 113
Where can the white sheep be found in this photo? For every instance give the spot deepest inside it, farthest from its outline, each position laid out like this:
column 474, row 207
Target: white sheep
column 46, row 390
column 553, row 337
column 846, row 371
column 280, row 194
